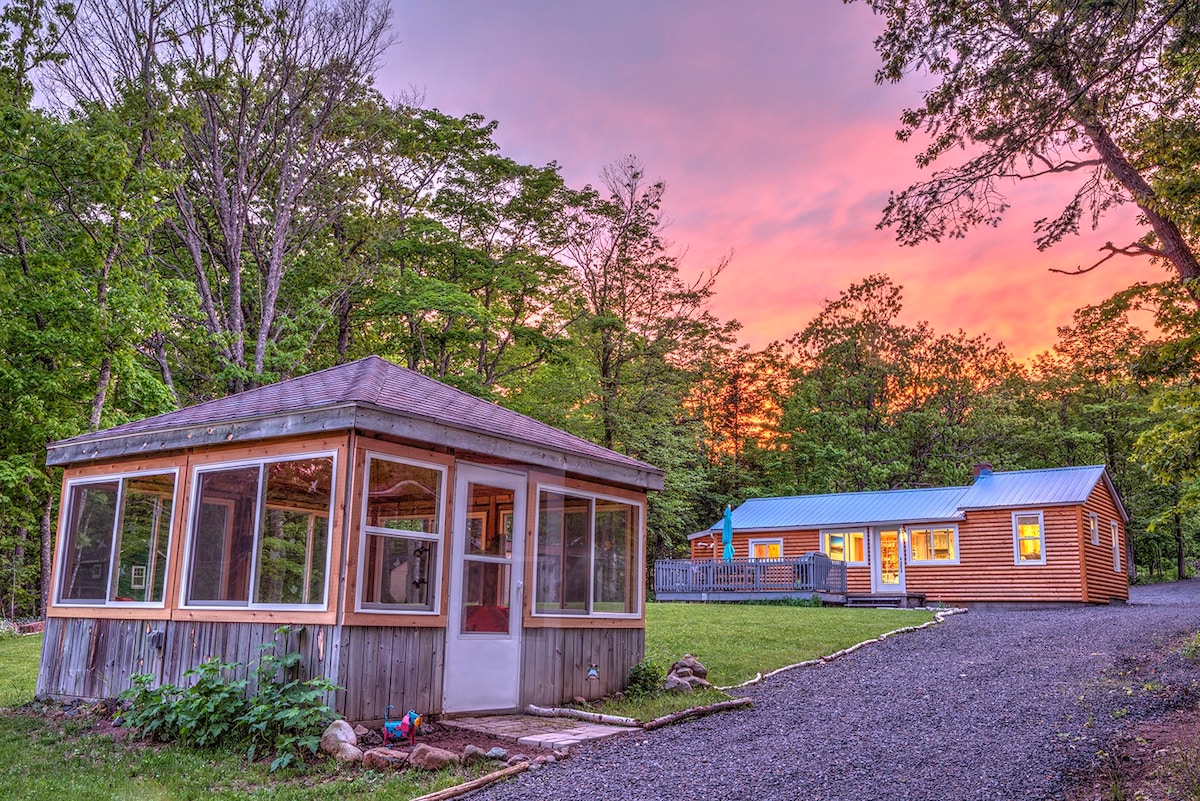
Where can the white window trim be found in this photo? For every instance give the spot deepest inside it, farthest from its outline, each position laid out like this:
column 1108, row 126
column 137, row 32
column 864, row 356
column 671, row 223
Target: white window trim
column 250, row 605
column 866, row 542
column 1094, row 527
column 61, row 547
column 912, row 560
column 1017, row 539
column 1115, row 531
column 640, row 565
column 438, row 536
column 766, row 541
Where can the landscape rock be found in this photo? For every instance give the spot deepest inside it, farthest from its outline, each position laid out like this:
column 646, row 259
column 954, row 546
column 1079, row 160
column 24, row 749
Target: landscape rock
column 497, row 753
column 673, row 683
column 348, row 754
column 517, row 759
column 428, row 757
column 686, row 675
column 473, row 753
column 360, row 731
column 336, row 735
column 385, row 759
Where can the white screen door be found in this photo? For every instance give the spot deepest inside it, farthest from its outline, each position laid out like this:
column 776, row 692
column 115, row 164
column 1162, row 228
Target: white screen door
column 483, row 627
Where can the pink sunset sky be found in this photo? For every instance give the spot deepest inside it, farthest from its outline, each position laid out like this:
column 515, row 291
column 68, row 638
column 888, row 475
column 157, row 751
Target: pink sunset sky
column 776, row 144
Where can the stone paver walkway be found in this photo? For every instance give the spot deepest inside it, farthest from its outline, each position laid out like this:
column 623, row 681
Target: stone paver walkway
column 537, row 732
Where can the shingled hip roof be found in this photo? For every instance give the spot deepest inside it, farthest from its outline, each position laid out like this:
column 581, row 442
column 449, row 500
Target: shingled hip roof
column 370, row 393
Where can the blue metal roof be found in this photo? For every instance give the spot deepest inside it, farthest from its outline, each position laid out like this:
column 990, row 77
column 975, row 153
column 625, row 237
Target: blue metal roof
column 1019, row 488
column 1057, row 487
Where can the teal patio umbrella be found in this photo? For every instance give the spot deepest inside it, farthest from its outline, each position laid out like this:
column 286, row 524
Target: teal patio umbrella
column 727, row 533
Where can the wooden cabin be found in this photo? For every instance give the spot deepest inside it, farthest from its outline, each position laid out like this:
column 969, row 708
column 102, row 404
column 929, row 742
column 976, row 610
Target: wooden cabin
column 432, row 550
column 1010, row 538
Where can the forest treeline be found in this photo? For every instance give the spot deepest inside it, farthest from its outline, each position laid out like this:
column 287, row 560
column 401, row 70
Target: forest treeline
column 198, row 198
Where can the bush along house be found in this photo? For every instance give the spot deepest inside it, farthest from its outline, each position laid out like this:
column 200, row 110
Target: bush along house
column 1015, row 538
column 430, row 550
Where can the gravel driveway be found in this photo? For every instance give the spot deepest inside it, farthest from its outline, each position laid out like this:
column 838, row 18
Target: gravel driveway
column 988, row 705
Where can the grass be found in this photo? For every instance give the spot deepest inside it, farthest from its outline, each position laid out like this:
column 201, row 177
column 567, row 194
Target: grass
column 18, row 668
column 56, row 758
column 738, row 641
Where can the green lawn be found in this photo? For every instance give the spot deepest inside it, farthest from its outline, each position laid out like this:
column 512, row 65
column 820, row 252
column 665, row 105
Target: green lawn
column 18, row 668
column 737, row 641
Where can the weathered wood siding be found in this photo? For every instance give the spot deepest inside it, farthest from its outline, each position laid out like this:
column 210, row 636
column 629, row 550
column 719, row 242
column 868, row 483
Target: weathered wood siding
column 1103, row 583
column 986, row 569
column 555, row 662
column 97, row 658
column 380, row 666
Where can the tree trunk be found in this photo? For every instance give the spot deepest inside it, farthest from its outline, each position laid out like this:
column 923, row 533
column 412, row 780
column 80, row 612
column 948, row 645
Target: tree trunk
column 102, row 384
column 1180, row 560
column 47, row 533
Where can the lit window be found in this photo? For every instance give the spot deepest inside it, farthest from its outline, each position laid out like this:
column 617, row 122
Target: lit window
column 766, row 549
column 114, row 543
column 1029, row 538
column 845, row 546
column 587, row 560
column 401, row 535
column 1115, row 531
column 934, row 544
column 1094, row 527
column 260, row 534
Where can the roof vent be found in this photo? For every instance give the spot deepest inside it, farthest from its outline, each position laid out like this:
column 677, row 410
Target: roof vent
column 982, row 469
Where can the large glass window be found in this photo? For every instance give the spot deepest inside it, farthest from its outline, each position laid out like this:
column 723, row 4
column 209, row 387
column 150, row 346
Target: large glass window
column 115, row 541
column 845, row 546
column 262, row 527
column 402, row 535
column 934, row 545
column 587, row 555
column 1029, row 538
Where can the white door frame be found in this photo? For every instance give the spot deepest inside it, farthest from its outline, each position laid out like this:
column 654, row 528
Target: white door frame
column 483, row 670
column 877, row 584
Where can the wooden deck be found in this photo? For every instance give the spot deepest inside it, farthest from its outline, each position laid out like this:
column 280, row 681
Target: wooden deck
column 750, row 579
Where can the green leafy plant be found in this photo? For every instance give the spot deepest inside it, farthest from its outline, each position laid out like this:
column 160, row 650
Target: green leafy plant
column 283, row 714
column 645, row 679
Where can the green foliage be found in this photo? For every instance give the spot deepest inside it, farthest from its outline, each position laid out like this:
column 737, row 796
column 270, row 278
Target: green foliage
column 283, row 715
column 645, row 678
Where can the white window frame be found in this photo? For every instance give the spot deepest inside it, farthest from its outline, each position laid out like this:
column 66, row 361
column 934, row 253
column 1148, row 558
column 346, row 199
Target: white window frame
column 1115, row 530
column 61, row 549
column 952, row 528
column 1094, row 527
column 768, row 541
column 1041, row 518
column 259, row 507
column 438, row 537
column 824, row 544
column 640, row 556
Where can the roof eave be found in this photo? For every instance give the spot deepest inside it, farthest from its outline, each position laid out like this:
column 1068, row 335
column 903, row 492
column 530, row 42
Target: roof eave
column 342, row 417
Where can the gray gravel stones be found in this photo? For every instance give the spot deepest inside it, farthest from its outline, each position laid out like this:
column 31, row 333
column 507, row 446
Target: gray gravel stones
column 988, row 705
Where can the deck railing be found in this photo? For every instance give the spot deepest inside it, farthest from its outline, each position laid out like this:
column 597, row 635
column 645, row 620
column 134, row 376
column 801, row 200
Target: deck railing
column 811, row 573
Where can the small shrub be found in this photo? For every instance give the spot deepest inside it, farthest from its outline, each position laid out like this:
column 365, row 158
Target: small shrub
column 8, row 630
column 645, row 679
